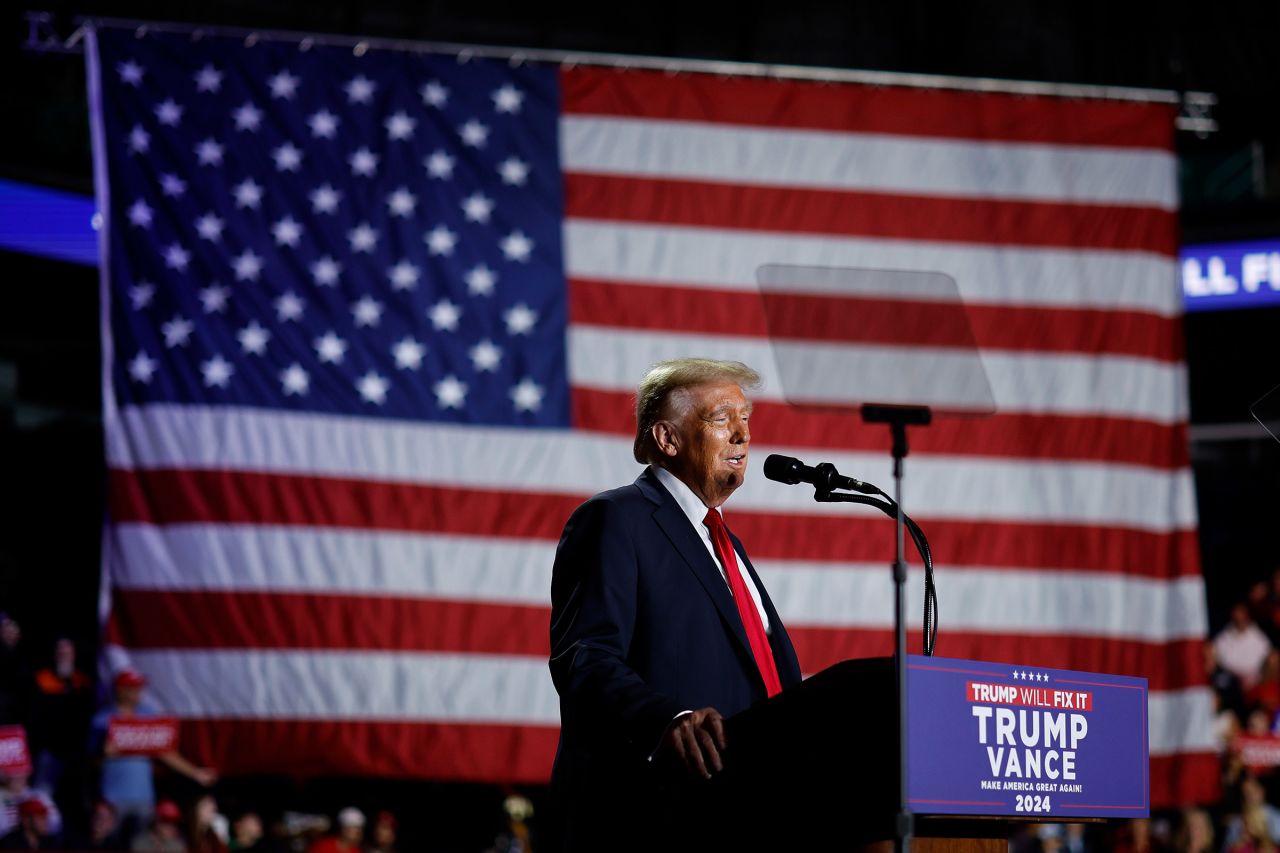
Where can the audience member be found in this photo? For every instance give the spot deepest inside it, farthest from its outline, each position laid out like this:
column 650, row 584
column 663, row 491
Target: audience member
column 61, row 707
column 350, row 834
column 208, row 833
column 17, row 791
column 33, row 831
column 384, row 833
column 1253, row 801
column 1195, row 833
column 1241, row 647
column 103, row 832
column 165, row 833
column 246, row 833
column 15, row 678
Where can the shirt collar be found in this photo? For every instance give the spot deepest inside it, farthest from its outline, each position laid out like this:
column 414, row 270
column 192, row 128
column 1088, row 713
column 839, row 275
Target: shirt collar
column 690, row 504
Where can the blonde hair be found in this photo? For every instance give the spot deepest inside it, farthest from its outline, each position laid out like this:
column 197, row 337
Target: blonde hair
column 667, row 377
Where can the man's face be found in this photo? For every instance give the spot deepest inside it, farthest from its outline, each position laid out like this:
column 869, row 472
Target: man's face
column 706, row 438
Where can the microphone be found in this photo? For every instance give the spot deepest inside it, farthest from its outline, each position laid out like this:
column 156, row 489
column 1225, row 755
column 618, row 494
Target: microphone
column 823, row 476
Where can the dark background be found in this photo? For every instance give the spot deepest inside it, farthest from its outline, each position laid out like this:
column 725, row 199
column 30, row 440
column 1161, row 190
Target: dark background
column 50, row 426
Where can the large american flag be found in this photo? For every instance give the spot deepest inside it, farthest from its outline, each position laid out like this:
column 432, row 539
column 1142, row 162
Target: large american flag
column 372, row 319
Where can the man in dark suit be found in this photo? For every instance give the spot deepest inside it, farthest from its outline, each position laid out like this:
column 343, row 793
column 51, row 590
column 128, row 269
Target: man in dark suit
column 660, row 626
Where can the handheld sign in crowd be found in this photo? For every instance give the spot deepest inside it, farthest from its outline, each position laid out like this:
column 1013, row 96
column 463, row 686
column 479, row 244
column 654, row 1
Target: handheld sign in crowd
column 996, row 739
column 1260, row 753
column 143, row 735
column 15, row 760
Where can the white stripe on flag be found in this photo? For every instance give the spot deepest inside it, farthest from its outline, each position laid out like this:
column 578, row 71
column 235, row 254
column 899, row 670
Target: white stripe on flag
column 862, row 161
column 1181, row 721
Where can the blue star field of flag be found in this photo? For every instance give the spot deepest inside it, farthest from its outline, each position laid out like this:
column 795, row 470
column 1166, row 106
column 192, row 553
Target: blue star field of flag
column 318, row 228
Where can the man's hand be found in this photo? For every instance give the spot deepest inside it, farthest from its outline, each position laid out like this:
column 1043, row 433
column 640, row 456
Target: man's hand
column 696, row 740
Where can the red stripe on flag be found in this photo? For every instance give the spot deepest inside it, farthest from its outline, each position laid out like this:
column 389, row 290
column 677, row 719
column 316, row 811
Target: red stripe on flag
column 794, row 210
column 1066, row 437
column 1185, row 779
column 446, row 751
column 946, row 114
column 894, row 322
column 165, row 496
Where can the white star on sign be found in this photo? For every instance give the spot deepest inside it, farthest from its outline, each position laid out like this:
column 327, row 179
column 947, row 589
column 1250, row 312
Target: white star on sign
column 288, row 158
column 168, row 112
column 140, row 295
column 209, row 227
column 214, row 298
column 485, row 356
column 330, row 348
column 247, row 266
column 176, row 332
column 477, row 208
column 325, row 271
column 508, row 99
column 283, row 85
column 253, row 338
column 434, row 94
column 176, row 258
column 480, row 280
column 516, row 246
column 287, row 232
column 247, row 117
column 325, row 199
column 217, row 372
column 209, row 153
column 363, row 238
column 408, row 354
column 527, row 395
column 172, row 185
column 288, row 307
column 247, row 193
column 139, row 140
column 439, row 165
column 514, row 171
column 402, row 202
column 520, row 319
column 324, row 125
column 373, row 387
column 450, row 393
column 444, row 315
column 363, row 162
column 294, row 380
column 474, row 134
column 140, row 214
column 208, row 79
column 367, row 312
column 360, row 90
column 130, row 72
column 440, row 240
column 404, row 276
column 399, row 126
column 141, row 366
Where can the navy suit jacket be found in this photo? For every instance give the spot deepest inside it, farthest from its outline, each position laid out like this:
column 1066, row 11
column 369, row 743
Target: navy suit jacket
column 643, row 626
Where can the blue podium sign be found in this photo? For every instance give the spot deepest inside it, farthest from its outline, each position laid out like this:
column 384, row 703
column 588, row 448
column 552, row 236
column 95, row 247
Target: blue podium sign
column 1019, row 741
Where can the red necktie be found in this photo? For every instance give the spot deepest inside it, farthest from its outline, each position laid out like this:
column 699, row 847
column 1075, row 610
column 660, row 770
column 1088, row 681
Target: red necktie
column 746, row 606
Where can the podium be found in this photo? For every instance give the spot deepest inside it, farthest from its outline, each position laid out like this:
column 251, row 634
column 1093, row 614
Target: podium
column 815, row 768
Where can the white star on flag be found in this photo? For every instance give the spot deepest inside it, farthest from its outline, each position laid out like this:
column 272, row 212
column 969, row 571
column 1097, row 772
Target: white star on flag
column 177, row 258
column 440, row 240
column 508, row 99
column 480, row 280
column 474, row 134
column 408, row 354
column 527, row 395
column 140, row 295
column 434, row 94
column 140, row 214
column 404, row 276
column 485, row 356
column 172, row 185
column 288, row 307
column 247, row 265
column 330, row 348
column 217, row 372
column 176, row 332
column 324, row 199
column 367, row 312
column 444, row 315
column 130, row 72
column 402, row 202
column 373, row 387
column 209, row 227
column 439, row 165
column 362, row 238
column 324, row 125
column 168, row 112
column 283, row 85
column 294, row 380
column 520, row 319
column 516, row 246
column 363, row 162
column 450, row 393
column 326, row 271
column 359, row 90
column 253, row 338
column 477, row 207
column 399, row 126
column 248, row 193
column 139, row 140
column 141, row 366
column 208, row 79
column 514, row 171
column 214, row 298
column 288, row 158
column 287, row 232
column 247, row 117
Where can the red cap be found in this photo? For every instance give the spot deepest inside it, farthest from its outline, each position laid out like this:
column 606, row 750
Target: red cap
column 130, row 678
column 167, row 811
column 32, row 806
column 386, row 817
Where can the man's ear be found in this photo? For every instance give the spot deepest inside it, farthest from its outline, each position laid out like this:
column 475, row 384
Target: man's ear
column 665, row 438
